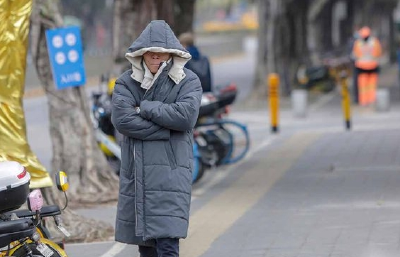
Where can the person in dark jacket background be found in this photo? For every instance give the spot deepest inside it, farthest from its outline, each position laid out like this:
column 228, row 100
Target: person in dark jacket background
column 199, row 64
column 155, row 106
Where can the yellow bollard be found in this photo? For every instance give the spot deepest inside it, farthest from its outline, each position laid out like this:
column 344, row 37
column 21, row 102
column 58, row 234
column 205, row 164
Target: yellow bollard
column 345, row 99
column 273, row 95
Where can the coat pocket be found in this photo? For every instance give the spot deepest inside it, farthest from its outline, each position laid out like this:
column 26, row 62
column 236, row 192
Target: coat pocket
column 170, row 154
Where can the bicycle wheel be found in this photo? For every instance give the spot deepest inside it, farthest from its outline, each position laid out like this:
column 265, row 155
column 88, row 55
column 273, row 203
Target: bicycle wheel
column 199, row 170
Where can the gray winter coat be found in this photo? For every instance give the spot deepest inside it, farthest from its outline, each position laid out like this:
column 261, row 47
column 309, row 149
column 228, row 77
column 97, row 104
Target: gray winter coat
column 157, row 150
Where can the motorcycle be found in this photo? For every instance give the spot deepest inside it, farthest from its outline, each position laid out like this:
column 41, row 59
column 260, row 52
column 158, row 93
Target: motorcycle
column 22, row 232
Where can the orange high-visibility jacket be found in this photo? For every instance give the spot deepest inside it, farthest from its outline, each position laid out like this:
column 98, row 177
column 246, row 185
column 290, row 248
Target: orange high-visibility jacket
column 367, row 53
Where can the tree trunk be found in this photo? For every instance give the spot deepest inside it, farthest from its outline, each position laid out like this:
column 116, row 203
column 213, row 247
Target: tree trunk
column 259, row 78
column 165, row 11
column 272, row 17
column 298, row 50
column 393, row 46
column 132, row 16
column 275, row 43
column 14, row 144
column 74, row 146
column 288, row 35
column 129, row 19
column 123, row 33
column 268, row 13
column 313, row 29
column 184, row 14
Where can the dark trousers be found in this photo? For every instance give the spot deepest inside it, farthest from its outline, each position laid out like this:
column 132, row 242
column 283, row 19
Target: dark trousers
column 165, row 247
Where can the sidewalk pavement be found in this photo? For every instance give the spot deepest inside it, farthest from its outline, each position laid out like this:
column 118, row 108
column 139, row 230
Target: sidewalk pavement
column 312, row 190
column 315, row 194
column 315, row 190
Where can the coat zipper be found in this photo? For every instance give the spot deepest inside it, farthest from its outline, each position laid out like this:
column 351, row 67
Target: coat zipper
column 147, row 90
column 134, row 167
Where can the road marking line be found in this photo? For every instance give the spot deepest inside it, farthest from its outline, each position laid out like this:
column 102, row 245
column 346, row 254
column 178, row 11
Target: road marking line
column 114, row 250
column 219, row 214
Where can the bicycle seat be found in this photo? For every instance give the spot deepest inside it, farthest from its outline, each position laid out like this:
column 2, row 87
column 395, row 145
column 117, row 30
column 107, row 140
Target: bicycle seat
column 46, row 211
column 12, row 230
column 10, row 226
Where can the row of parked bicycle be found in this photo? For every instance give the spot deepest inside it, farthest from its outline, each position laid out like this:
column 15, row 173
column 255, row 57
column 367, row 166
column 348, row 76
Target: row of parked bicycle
column 215, row 136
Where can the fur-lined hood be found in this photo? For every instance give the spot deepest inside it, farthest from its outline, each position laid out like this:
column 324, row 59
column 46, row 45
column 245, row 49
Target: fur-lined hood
column 158, row 37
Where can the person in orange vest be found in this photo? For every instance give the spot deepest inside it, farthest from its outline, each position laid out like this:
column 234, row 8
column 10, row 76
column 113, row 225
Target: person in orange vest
column 366, row 52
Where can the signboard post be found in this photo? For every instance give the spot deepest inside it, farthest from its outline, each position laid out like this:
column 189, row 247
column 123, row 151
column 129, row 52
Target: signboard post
column 66, row 57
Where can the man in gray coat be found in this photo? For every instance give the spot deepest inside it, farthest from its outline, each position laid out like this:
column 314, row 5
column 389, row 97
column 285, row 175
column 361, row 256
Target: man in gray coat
column 155, row 107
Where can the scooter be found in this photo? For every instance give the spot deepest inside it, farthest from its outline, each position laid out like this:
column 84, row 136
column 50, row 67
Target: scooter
column 24, row 235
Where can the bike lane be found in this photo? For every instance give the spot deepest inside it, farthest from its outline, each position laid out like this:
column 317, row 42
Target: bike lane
column 257, row 176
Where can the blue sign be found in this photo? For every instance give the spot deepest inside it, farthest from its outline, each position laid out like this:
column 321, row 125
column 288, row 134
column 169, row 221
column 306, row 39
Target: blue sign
column 66, row 56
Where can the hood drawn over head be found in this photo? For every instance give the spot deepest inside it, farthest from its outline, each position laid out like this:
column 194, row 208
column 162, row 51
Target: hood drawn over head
column 158, row 37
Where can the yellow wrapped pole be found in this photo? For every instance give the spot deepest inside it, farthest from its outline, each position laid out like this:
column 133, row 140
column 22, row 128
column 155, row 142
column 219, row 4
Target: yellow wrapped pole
column 345, row 99
column 14, row 30
column 273, row 95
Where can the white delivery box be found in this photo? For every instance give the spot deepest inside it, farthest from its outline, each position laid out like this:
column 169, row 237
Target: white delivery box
column 14, row 185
